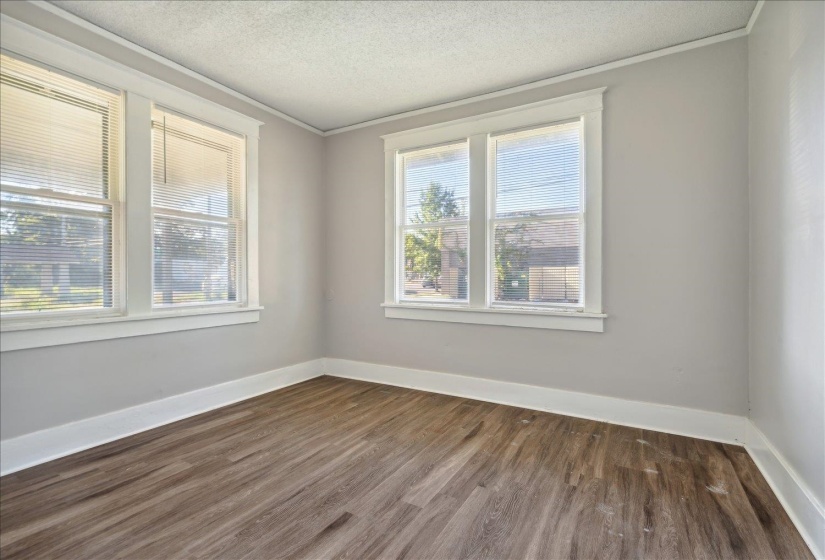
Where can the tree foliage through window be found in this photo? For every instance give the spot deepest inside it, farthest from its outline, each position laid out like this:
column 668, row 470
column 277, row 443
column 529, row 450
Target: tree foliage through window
column 423, row 248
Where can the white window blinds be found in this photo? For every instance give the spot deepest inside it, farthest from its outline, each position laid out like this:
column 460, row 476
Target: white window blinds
column 59, row 191
column 434, row 224
column 198, row 212
column 538, row 216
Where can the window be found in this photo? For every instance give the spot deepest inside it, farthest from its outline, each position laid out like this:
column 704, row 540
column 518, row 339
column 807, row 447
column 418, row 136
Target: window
column 536, row 224
column 127, row 206
column 434, row 226
column 496, row 219
column 59, row 197
column 198, row 210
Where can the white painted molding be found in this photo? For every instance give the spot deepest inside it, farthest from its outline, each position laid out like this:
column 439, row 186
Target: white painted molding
column 754, row 15
column 39, row 447
column 803, row 508
column 544, row 112
column 799, row 502
column 500, row 93
column 549, row 81
column 703, row 424
column 57, row 333
column 33, row 43
column 88, row 26
column 528, row 318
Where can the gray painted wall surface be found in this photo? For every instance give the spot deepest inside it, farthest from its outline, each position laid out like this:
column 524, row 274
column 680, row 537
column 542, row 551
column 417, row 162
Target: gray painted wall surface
column 675, row 246
column 675, row 264
column 41, row 388
column 787, row 252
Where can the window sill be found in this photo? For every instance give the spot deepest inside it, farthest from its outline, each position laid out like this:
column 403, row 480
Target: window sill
column 510, row 317
column 38, row 334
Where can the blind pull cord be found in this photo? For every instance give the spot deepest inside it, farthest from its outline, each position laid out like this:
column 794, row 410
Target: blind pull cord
column 164, row 149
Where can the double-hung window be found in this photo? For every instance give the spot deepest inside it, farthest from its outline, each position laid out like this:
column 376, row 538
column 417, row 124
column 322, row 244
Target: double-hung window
column 496, row 219
column 197, row 212
column 434, row 224
column 60, row 211
column 536, row 220
column 127, row 206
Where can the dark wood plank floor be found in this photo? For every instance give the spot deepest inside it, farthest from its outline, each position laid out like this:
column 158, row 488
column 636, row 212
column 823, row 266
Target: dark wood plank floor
column 333, row 468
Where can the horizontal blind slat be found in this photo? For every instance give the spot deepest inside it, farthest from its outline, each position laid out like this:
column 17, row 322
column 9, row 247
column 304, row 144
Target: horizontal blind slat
column 538, row 197
column 59, row 137
column 198, row 208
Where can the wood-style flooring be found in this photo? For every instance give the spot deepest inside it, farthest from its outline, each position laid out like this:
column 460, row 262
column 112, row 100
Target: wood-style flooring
column 333, row 468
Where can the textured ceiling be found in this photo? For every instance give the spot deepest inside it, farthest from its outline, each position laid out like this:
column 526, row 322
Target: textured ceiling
column 333, row 64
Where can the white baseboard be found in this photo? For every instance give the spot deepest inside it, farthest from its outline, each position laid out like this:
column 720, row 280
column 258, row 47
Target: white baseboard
column 703, row 424
column 38, row 447
column 802, row 506
column 805, row 511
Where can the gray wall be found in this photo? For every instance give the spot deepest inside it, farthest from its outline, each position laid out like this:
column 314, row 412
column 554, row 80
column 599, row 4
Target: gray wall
column 675, row 263
column 47, row 387
column 675, row 246
column 787, row 253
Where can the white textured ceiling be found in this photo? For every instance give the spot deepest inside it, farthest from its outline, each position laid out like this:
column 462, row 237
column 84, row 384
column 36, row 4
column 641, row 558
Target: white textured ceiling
column 333, row 64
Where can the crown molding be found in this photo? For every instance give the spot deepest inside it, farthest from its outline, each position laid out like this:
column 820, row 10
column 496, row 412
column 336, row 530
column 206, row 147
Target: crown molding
column 549, row 81
column 754, row 15
column 735, row 34
column 97, row 30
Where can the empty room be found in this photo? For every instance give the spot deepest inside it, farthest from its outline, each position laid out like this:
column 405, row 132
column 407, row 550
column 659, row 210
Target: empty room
column 412, row 279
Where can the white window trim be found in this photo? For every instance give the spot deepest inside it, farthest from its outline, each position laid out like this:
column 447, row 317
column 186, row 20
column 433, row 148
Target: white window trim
column 141, row 91
column 586, row 105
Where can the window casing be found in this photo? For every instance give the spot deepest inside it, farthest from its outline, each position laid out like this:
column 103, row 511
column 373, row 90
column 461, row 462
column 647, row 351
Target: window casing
column 531, row 209
column 214, row 263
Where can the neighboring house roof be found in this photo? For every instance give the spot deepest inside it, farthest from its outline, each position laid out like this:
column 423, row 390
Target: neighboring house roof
column 545, row 244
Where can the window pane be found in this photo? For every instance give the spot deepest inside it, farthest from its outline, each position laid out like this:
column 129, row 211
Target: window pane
column 197, row 196
column 195, row 262
column 538, row 262
column 436, row 184
column 56, row 133
column 538, row 172
column 61, row 134
column 435, row 264
column 195, row 168
column 537, row 252
column 55, row 258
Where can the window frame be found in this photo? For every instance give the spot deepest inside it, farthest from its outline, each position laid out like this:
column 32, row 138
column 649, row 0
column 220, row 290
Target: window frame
column 135, row 240
column 478, row 132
